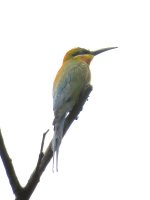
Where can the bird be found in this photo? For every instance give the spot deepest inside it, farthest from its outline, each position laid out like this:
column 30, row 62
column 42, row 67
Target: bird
column 71, row 79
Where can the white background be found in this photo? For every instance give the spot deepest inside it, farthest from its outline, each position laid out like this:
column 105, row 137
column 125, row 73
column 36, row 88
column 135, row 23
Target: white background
column 106, row 153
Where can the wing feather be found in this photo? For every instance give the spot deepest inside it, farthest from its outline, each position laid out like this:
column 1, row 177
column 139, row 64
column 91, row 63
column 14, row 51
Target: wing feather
column 68, row 85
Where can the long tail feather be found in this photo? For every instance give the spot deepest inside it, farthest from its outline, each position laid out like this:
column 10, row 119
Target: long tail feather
column 58, row 134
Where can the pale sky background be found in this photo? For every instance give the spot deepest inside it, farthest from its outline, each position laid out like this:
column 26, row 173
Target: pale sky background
column 106, row 153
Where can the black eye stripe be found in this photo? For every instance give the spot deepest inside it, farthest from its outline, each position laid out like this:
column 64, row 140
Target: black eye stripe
column 81, row 52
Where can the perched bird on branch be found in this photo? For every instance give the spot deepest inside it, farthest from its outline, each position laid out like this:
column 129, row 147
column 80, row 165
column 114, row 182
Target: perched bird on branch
column 70, row 81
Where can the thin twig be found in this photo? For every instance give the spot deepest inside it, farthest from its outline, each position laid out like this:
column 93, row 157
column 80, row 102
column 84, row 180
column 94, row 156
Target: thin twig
column 41, row 154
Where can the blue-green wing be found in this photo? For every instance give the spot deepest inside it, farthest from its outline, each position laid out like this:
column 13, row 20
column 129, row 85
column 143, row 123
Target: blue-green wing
column 73, row 79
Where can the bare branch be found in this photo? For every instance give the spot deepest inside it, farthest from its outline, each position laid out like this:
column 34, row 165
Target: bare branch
column 35, row 177
column 16, row 187
column 44, row 158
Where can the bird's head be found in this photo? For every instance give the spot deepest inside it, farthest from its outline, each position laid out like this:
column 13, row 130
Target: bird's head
column 84, row 54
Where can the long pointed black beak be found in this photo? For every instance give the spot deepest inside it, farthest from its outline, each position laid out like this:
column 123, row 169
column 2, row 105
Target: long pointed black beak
column 94, row 53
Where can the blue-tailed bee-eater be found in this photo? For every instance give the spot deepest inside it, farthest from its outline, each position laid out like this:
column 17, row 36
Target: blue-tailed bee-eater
column 71, row 79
